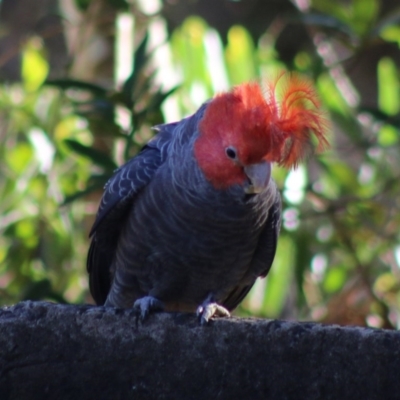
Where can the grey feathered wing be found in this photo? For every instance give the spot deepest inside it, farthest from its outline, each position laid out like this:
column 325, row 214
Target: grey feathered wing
column 118, row 199
column 263, row 256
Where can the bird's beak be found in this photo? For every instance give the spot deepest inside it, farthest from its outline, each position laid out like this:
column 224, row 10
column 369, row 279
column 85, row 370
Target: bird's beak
column 259, row 176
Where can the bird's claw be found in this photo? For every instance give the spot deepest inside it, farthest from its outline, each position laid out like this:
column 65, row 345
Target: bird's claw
column 208, row 310
column 148, row 304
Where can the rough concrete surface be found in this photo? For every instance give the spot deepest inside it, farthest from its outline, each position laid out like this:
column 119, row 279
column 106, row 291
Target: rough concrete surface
column 51, row 351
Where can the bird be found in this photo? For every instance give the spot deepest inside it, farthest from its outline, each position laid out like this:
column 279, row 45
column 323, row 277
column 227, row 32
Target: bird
column 192, row 221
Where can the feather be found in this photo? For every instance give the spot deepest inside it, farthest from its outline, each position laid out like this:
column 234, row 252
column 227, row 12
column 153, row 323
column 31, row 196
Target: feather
column 297, row 118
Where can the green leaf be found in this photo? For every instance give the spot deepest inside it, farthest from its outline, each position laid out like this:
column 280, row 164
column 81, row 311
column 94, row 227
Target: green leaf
column 19, row 157
column 303, row 242
column 391, row 33
column 240, row 57
column 158, row 98
column 65, row 84
column 334, row 279
column 334, row 9
column 139, row 60
column 141, row 90
column 141, row 57
column 34, row 66
column 388, row 27
column 388, row 135
column 82, row 4
column 189, row 51
column 153, row 106
column 388, row 86
column 364, row 14
column 96, row 156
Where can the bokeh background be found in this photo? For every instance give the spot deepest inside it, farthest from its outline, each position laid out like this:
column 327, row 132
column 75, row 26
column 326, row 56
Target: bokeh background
column 83, row 81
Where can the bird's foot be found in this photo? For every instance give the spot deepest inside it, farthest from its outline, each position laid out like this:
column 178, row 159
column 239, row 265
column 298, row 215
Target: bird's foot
column 211, row 309
column 148, row 304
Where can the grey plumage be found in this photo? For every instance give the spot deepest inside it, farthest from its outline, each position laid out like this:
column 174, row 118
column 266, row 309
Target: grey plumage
column 162, row 230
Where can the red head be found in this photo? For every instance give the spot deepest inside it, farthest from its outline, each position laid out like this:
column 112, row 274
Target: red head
column 242, row 128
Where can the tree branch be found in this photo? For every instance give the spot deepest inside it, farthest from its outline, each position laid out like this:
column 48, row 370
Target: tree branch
column 50, row 351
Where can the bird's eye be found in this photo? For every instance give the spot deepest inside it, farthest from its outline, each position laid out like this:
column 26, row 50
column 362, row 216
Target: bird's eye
column 231, row 152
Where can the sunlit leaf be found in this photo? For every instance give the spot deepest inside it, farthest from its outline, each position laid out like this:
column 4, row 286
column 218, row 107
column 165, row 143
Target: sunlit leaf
column 188, row 48
column 388, row 86
column 19, row 157
column 66, row 127
column 34, row 66
column 25, row 228
column 391, row 33
column 388, row 135
column 364, row 13
column 334, row 279
column 240, row 55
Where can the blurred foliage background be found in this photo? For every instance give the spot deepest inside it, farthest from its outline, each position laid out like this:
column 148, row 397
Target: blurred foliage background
column 83, row 81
